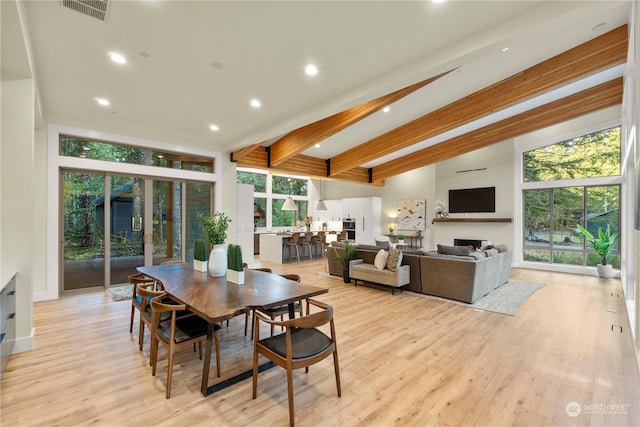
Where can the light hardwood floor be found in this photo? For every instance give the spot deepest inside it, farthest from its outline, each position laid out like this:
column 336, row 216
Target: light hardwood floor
column 405, row 360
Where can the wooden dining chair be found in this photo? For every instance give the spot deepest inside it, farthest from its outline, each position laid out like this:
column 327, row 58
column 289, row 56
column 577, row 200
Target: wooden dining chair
column 135, row 280
column 281, row 310
column 178, row 333
column 145, row 293
column 247, row 313
column 301, row 345
column 292, row 243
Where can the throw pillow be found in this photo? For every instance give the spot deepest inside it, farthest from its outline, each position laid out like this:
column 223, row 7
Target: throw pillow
column 394, row 259
column 381, row 259
column 501, row 248
column 382, row 244
column 454, row 250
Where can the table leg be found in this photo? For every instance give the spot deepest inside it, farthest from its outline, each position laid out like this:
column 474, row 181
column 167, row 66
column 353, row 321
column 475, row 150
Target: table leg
column 207, row 360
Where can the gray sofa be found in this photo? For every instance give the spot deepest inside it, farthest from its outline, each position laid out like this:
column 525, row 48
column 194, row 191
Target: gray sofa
column 462, row 278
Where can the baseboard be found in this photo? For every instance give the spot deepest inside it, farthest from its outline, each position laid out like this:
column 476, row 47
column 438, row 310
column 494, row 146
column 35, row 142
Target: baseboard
column 24, row 344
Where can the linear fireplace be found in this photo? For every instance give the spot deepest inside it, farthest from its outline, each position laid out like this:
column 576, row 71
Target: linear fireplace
column 477, row 244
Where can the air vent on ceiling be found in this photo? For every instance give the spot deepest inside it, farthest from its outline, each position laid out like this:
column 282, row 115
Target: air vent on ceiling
column 93, row 8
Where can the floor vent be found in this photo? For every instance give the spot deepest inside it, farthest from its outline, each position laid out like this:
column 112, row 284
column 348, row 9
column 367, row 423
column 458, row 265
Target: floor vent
column 94, row 8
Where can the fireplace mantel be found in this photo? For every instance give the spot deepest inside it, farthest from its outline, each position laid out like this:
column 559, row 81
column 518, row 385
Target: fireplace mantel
column 471, row 220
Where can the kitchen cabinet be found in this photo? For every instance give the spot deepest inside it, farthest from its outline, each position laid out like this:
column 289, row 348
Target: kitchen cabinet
column 366, row 212
column 333, row 212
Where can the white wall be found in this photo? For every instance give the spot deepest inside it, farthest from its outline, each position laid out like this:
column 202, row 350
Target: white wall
column 497, row 164
column 17, row 237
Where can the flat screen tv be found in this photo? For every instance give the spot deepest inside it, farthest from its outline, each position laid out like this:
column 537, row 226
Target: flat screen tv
column 468, row 200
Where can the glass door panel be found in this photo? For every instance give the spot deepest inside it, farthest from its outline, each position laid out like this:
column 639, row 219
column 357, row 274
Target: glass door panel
column 83, row 230
column 126, row 227
column 167, row 221
column 198, row 200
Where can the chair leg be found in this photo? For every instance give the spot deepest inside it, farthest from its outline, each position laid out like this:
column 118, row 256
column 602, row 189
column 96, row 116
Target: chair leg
column 141, row 333
column 216, row 340
column 290, row 395
column 337, row 369
column 153, row 357
column 255, row 358
column 169, row 371
column 133, row 310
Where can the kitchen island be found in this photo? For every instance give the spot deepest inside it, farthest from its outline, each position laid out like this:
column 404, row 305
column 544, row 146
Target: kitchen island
column 271, row 246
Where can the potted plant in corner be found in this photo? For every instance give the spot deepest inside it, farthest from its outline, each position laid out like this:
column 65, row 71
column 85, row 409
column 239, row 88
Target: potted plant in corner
column 347, row 254
column 602, row 245
column 235, row 272
column 199, row 255
column 215, row 230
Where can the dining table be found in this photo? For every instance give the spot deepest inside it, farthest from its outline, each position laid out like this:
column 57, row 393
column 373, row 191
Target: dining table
column 216, row 299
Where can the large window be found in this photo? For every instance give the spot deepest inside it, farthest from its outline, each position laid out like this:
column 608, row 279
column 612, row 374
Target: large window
column 571, row 184
column 269, row 194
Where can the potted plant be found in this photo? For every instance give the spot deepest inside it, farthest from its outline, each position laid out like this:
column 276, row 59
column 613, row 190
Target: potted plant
column 401, row 239
column 602, row 245
column 199, row 255
column 235, row 272
column 215, row 230
column 347, row 254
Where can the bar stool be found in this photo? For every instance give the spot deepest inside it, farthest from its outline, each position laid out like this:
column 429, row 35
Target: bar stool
column 308, row 236
column 293, row 243
column 319, row 241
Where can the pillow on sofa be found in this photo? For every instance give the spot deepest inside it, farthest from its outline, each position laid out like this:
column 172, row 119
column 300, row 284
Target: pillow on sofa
column 454, row 250
column 382, row 244
column 491, row 252
column 381, row 259
column 501, row 248
column 394, row 259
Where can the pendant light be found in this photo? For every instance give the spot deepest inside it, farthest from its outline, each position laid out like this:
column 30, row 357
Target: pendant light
column 289, row 204
column 320, row 205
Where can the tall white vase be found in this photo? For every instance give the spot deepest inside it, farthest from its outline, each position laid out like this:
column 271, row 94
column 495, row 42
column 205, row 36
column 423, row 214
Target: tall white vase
column 218, row 261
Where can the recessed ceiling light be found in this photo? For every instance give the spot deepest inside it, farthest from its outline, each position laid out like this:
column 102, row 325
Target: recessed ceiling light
column 102, row 101
column 117, row 58
column 214, row 128
column 161, row 156
column 504, row 49
column 255, row 103
column 317, row 145
column 386, row 109
column 311, row 70
column 438, row 1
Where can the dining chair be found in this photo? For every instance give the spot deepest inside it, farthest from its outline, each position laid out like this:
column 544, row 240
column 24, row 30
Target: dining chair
column 300, row 346
column 145, row 293
column 247, row 313
column 281, row 310
column 292, row 243
column 178, row 333
column 135, row 280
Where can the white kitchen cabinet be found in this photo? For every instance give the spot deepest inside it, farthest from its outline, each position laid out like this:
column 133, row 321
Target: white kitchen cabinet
column 367, row 213
column 333, row 212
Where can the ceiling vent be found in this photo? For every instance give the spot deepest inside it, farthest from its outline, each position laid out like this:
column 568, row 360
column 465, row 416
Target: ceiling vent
column 94, row 8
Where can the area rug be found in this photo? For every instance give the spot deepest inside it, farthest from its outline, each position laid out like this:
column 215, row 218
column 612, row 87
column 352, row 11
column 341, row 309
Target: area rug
column 120, row 293
column 504, row 300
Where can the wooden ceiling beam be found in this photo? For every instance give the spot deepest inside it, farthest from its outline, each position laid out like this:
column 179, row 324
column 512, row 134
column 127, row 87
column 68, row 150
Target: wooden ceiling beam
column 237, row 155
column 301, row 139
column 305, row 165
column 587, row 101
column 598, row 54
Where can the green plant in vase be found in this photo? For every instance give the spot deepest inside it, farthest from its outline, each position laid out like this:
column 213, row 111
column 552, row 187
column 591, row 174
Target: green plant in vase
column 235, row 272
column 199, row 255
column 603, row 246
column 215, row 230
column 347, row 254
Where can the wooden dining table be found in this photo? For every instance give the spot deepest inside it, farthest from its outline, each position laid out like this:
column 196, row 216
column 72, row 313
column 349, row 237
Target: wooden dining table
column 215, row 299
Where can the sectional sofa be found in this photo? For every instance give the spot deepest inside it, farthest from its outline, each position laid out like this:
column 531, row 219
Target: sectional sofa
column 463, row 278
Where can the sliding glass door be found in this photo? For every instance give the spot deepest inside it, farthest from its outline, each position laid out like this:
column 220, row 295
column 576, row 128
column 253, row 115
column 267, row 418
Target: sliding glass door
column 113, row 224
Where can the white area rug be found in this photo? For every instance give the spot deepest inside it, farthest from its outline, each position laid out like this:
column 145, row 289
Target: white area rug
column 504, row 300
column 120, row 293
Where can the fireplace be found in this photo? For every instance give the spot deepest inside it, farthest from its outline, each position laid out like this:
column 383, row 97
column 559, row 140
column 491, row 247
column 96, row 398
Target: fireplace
column 477, row 244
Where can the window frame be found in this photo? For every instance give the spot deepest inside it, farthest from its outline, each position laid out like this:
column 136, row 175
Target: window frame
column 521, row 186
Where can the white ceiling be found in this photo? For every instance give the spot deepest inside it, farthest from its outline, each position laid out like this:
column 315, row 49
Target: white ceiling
column 193, row 63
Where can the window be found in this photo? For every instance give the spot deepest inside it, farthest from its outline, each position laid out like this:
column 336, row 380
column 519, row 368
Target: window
column 270, row 192
column 572, row 186
column 72, row 146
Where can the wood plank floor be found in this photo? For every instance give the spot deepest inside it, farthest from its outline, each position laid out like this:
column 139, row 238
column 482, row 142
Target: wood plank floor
column 405, row 360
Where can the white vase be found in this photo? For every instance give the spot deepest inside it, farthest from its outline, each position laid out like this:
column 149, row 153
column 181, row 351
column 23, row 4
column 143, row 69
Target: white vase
column 235, row 277
column 605, row 271
column 218, row 261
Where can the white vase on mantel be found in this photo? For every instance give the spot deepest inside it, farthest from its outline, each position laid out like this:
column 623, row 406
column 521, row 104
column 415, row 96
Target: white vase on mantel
column 218, row 261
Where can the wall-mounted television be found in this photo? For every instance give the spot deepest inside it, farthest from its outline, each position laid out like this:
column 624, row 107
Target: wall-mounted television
column 469, row 200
